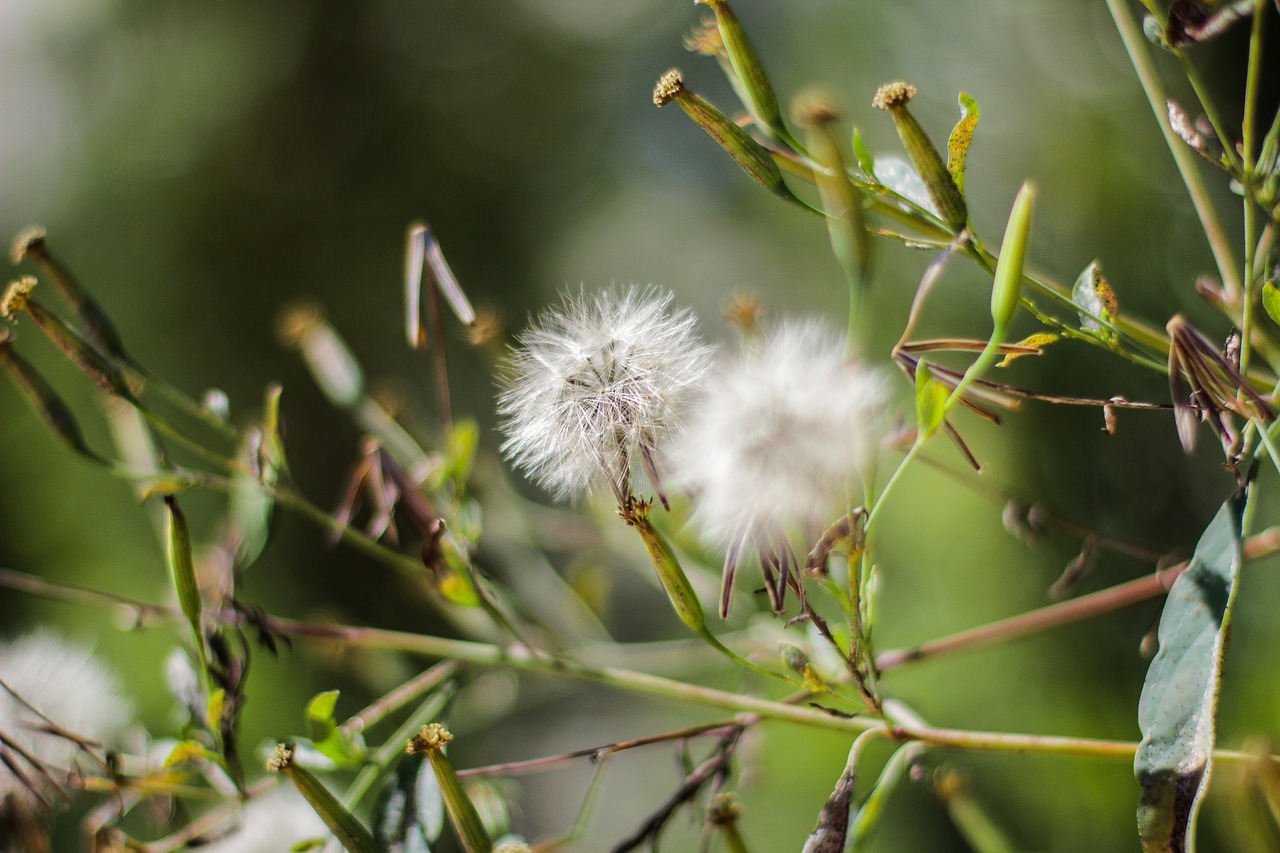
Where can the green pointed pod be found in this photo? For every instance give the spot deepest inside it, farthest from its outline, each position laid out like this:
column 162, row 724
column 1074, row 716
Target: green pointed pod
column 462, row 812
column 752, row 83
column 31, row 242
column 46, row 401
column 894, row 97
column 674, row 581
column 182, row 567
column 841, row 199
column 737, row 143
column 341, row 822
column 1007, row 289
column 82, row 353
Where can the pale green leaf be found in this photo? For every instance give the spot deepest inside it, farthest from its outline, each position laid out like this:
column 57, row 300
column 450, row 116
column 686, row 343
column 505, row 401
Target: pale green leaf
column 1177, row 709
column 961, row 138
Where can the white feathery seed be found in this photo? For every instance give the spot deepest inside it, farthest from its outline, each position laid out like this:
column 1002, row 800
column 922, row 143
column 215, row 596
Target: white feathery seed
column 69, row 687
column 781, row 439
column 595, row 385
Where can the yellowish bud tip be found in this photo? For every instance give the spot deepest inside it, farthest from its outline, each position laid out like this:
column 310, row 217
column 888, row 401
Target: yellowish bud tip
column 487, row 327
column 813, row 108
column 281, row 758
column 297, row 322
column 669, row 87
column 744, row 312
column 724, row 809
column 15, row 298
column 431, row 738
column 893, row 95
column 29, row 240
column 705, row 39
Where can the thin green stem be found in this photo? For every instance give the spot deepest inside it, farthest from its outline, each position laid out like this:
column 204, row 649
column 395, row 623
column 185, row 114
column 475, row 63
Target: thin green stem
column 874, row 512
column 394, row 747
column 1210, row 111
column 1136, row 46
column 1249, row 181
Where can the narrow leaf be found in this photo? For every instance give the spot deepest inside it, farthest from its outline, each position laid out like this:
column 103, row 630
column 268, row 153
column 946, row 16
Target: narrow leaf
column 961, row 138
column 1177, row 709
column 1271, row 300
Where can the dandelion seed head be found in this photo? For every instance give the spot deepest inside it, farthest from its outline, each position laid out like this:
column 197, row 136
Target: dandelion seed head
column 68, row 686
column 596, row 385
column 781, row 439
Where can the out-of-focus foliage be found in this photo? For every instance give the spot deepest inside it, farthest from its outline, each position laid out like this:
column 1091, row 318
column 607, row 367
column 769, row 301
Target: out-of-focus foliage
column 202, row 165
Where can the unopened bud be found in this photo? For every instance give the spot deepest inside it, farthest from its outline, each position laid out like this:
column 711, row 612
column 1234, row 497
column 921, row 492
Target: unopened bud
column 462, row 812
column 946, row 196
column 752, row 83
column 1013, row 252
column 350, row 832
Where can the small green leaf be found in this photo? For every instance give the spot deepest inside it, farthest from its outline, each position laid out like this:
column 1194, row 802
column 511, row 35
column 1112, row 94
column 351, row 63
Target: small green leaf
column 1179, row 701
column 862, row 154
column 931, row 400
column 1097, row 302
column 327, row 737
column 1271, row 300
column 961, row 138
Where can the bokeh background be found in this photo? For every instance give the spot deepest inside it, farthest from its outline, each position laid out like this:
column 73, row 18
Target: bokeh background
column 200, row 166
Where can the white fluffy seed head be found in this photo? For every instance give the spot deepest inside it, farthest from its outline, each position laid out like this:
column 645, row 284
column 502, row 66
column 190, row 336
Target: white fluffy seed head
column 596, row 384
column 273, row 822
column 781, row 438
column 69, row 687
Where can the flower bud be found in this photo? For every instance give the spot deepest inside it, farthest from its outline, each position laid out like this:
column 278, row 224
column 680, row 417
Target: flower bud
column 350, row 832
column 462, row 812
column 749, row 154
column 946, row 196
column 752, row 84
column 1013, row 252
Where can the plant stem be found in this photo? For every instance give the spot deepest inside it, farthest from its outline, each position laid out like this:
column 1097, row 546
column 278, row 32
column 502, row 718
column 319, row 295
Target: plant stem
column 1135, row 45
column 1067, row 612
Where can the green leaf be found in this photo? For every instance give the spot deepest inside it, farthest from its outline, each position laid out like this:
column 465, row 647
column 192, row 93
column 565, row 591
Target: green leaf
column 862, row 154
column 1099, row 308
column 961, row 138
column 1271, row 300
column 1177, row 709
column 327, row 737
column 931, row 400
column 410, row 812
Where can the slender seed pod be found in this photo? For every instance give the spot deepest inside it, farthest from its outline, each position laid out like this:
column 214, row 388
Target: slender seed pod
column 350, row 832
column 746, row 152
column 81, row 352
column 946, row 196
column 753, row 85
column 51, row 407
column 462, row 812
column 683, row 598
column 31, row 242
column 182, row 567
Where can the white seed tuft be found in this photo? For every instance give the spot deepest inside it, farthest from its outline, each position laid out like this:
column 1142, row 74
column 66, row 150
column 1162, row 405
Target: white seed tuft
column 71, row 689
column 595, row 385
column 781, row 439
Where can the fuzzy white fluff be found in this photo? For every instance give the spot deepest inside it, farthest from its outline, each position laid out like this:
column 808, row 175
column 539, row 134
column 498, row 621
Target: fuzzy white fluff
column 71, row 688
column 781, row 438
column 271, row 823
column 595, row 385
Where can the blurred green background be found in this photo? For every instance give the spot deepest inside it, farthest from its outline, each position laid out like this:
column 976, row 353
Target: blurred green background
column 202, row 165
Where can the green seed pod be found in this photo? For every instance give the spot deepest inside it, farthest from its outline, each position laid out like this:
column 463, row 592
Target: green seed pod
column 462, row 812
column 841, row 199
column 328, row 358
column 1013, row 252
column 752, row 84
column 17, row 299
column 31, row 243
column 894, row 97
column 749, row 154
column 680, row 592
column 341, row 822
column 182, row 566
column 55, row 412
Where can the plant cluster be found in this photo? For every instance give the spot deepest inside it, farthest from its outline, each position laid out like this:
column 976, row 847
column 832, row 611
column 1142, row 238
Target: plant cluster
column 765, row 461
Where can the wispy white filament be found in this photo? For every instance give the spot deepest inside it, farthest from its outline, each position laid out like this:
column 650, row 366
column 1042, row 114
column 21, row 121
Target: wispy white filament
column 71, row 689
column 596, row 384
column 781, row 439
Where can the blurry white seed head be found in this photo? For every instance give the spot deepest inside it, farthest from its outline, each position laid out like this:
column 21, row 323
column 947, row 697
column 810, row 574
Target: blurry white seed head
column 70, row 688
column 595, row 385
column 781, row 438
column 275, row 821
